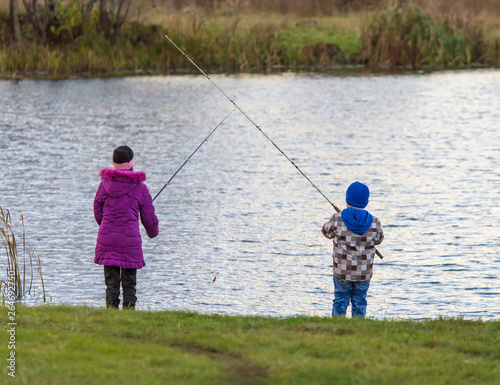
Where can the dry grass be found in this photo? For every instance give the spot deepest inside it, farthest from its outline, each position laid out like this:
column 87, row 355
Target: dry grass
column 170, row 10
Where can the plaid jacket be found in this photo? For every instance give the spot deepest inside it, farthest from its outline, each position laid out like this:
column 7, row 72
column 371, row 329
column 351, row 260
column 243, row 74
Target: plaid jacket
column 353, row 254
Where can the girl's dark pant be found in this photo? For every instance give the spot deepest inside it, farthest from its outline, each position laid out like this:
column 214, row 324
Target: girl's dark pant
column 128, row 279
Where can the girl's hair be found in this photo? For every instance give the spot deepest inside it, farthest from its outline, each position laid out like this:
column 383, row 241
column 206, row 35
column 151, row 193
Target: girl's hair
column 123, row 154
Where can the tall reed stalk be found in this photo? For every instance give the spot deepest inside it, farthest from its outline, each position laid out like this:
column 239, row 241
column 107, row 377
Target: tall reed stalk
column 16, row 268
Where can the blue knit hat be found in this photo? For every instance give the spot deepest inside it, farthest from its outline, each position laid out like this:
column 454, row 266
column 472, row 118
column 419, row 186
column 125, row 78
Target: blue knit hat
column 357, row 195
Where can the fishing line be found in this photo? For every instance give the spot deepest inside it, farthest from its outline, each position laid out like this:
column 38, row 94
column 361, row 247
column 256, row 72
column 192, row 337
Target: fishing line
column 258, row 127
column 251, row 121
column 190, row 156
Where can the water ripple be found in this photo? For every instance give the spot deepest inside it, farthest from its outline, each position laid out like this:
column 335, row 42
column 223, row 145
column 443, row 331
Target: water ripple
column 427, row 145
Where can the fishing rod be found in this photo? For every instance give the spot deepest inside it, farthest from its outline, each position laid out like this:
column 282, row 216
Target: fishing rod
column 190, row 156
column 260, row 129
column 251, row 121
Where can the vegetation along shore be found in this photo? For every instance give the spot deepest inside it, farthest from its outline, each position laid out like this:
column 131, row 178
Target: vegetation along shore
column 64, row 344
column 68, row 38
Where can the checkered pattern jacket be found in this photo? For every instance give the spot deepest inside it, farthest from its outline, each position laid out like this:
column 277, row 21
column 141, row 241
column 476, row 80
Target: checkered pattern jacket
column 353, row 254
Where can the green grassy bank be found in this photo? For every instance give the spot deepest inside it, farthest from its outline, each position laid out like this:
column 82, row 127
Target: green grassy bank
column 237, row 38
column 81, row 345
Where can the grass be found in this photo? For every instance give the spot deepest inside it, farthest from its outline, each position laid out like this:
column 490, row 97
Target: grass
column 61, row 345
column 341, row 35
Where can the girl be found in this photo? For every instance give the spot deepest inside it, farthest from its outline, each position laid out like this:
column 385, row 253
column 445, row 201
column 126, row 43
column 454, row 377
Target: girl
column 120, row 199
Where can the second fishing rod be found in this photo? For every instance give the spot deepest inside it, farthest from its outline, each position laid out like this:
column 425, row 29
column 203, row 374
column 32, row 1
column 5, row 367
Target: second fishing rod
column 259, row 128
column 190, row 156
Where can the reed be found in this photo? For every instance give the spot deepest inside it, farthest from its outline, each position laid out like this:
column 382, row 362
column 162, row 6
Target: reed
column 410, row 36
column 20, row 257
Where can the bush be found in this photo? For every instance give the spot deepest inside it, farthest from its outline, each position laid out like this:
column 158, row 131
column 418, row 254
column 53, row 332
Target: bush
column 408, row 36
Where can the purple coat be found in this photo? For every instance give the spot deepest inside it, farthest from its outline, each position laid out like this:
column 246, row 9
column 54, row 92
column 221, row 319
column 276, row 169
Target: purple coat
column 120, row 199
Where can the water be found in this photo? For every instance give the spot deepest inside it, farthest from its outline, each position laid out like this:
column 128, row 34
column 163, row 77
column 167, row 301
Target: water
column 427, row 145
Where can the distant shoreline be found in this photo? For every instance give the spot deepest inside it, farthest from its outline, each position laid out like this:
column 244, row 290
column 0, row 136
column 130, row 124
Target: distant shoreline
column 347, row 70
column 407, row 38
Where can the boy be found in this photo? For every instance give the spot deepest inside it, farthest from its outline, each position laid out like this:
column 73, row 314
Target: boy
column 355, row 232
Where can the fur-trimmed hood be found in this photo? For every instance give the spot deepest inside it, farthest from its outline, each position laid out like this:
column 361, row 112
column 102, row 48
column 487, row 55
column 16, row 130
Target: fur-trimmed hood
column 134, row 176
column 120, row 182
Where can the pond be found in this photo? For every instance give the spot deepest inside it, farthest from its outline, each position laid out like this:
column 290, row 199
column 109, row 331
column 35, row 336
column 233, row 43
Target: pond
column 427, row 145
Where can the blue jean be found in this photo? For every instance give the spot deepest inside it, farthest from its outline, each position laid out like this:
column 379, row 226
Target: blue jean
column 355, row 292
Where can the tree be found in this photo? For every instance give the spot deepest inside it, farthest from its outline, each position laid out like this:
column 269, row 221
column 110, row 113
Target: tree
column 14, row 17
column 112, row 15
column 86, row 9
column 42, row 16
